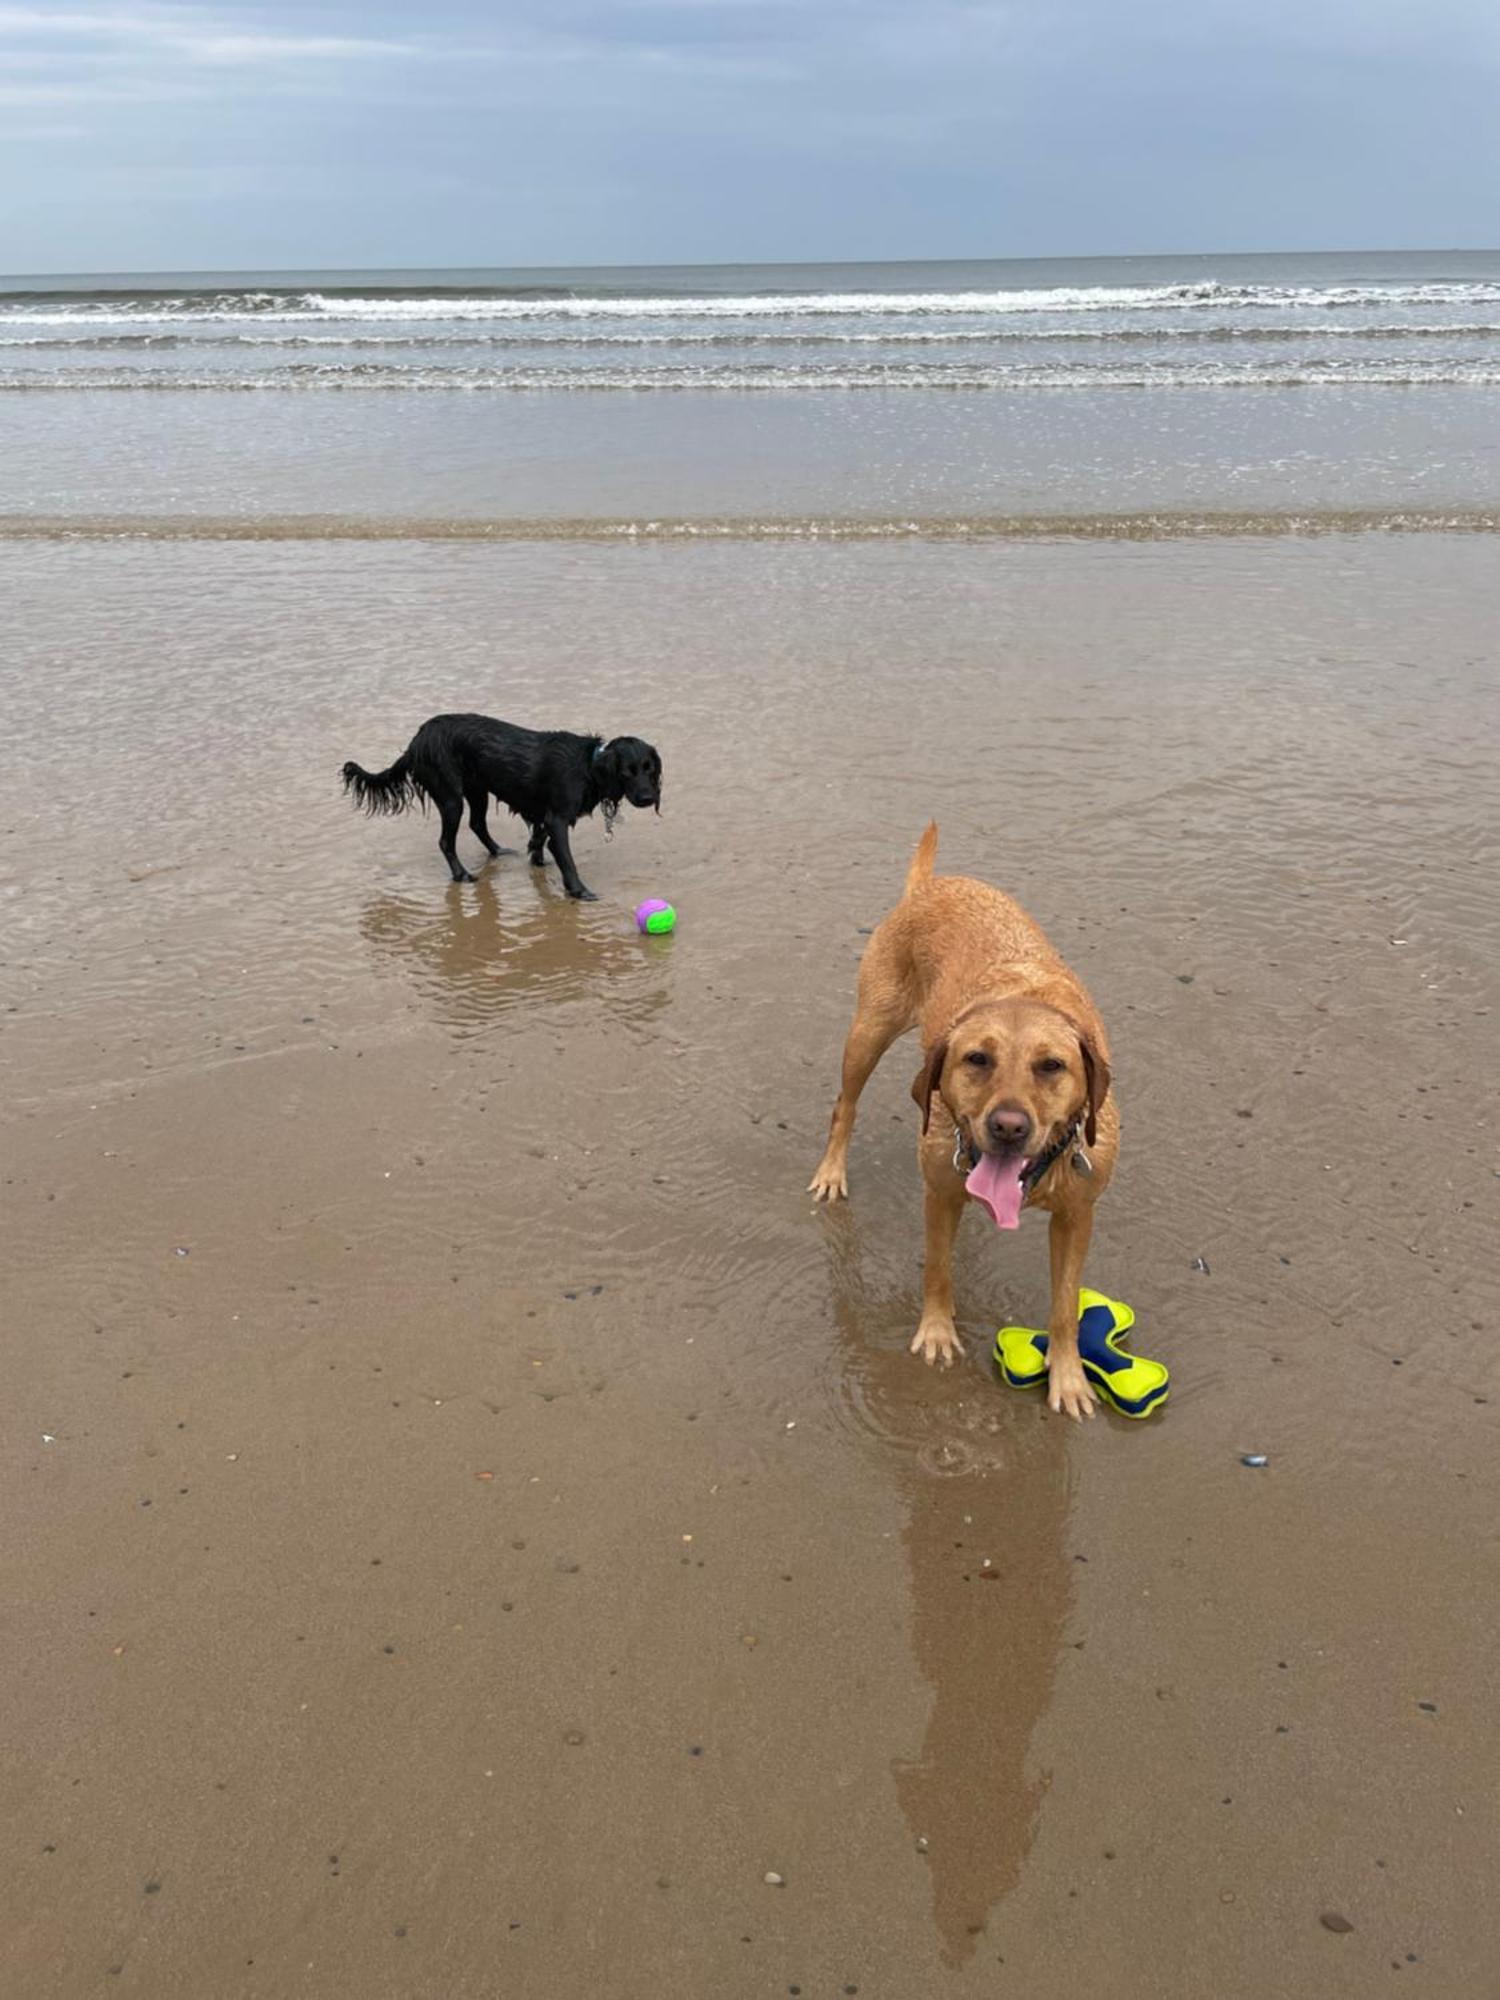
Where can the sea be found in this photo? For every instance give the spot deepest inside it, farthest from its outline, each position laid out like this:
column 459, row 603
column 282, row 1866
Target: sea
column 1113, row 396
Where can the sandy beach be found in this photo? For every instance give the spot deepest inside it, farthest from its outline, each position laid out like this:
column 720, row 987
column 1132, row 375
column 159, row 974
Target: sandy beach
column 472, row 1529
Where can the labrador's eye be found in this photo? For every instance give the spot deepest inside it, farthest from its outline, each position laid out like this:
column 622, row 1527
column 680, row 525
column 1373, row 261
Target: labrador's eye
column 977, row 1059
column 1050, row 1065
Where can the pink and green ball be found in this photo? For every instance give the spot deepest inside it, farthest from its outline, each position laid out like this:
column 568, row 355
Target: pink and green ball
column 655, row 918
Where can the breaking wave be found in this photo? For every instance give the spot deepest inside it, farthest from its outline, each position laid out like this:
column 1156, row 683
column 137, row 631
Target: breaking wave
column 124, row 309
column 477, row 338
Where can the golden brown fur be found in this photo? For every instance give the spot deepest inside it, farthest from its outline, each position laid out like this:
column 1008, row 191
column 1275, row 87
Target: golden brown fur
column 1009, row 1035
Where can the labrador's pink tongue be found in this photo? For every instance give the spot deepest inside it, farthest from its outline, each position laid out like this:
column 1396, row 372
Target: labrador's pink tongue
column 997, row 1183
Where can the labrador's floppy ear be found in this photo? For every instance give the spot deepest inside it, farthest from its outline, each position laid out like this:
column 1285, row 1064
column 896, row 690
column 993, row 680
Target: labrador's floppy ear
column 927, row 1080
column 1096, row 1073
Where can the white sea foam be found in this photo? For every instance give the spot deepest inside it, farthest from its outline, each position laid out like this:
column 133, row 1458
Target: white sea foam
column 527, row 338
column 895, row 305
column 282, row 308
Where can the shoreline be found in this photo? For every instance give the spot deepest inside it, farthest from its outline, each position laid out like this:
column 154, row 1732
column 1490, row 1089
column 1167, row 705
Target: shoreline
column 1153, row 526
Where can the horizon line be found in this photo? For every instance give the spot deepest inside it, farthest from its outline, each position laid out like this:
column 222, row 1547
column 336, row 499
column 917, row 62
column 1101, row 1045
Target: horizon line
column 760, row 263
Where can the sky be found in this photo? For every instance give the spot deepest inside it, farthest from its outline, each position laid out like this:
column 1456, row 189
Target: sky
column 296, row 135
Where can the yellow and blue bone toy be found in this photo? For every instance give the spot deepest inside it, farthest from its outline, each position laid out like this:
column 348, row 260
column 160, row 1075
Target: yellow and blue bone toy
column 1134, row 1385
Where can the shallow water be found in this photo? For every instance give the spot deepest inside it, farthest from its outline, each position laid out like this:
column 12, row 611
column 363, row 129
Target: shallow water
column 802, row 462
column 509, row 1393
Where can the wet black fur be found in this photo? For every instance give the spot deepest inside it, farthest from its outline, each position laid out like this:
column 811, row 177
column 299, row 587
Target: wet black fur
column 548, row 777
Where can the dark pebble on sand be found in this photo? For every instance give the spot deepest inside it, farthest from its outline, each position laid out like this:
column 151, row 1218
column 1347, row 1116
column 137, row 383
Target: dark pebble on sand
column 1332, row 1921
column 153, row 1888
column 1201, row 1264
column 1428, row 1707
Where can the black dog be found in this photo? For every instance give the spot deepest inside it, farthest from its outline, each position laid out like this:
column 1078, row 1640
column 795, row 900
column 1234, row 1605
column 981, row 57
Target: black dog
column 548, row 777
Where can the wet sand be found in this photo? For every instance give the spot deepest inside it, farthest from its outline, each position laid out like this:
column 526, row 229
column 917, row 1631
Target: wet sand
column 469, row 1521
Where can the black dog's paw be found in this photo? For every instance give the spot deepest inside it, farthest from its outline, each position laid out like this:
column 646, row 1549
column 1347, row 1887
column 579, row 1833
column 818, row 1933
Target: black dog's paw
column 583, row 895
column 463, row 875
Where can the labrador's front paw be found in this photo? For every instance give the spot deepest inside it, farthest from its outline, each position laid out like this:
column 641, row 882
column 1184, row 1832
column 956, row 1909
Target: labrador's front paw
column 936, row 1339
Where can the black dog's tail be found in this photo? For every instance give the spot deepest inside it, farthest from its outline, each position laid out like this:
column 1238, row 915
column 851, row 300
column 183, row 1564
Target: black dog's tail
column 389, row 791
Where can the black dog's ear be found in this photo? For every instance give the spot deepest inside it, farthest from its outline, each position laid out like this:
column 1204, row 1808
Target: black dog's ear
column 927, row 1079
column 1096, row 1074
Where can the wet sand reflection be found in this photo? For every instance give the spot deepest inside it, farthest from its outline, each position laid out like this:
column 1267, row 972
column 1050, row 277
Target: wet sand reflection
column 988, row 1490
column 476, row 957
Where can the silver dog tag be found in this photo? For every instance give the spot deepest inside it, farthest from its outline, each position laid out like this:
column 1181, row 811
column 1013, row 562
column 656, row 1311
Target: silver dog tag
column 1082, row 1164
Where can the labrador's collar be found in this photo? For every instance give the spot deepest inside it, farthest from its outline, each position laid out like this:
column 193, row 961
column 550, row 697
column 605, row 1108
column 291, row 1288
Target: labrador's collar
column 966, row 1155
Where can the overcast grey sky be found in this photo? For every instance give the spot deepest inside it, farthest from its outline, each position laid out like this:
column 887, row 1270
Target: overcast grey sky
column 296, row 134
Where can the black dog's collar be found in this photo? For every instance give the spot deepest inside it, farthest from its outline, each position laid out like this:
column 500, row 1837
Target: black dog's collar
column 966, row 1155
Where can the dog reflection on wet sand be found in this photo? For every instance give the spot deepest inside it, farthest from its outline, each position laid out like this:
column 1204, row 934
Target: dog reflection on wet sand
column 990, row 1592
column 478, row 959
